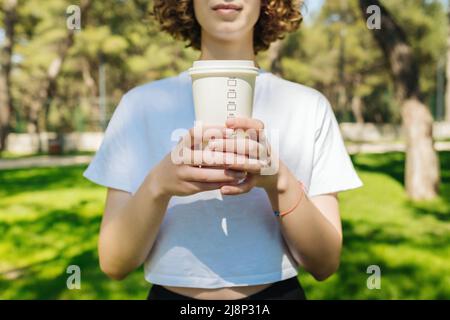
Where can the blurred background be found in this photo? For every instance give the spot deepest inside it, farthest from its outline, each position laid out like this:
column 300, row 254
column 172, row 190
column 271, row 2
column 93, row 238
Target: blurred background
column 59, row 88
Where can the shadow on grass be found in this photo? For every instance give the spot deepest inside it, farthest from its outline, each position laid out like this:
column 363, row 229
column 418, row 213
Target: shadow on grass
column 402, row 278
column 44, row 288
column 440, row 214
column 54, row 222
column 72, row 239
column 42, row 244
column 94, row 284
column 398, row 252
column 392, row 164
column 27, row 180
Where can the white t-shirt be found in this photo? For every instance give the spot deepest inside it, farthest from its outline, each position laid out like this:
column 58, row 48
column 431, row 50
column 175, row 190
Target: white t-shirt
column 208, row 240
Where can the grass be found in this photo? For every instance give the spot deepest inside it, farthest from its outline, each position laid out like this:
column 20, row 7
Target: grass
column 410, row 242
column 49, row 219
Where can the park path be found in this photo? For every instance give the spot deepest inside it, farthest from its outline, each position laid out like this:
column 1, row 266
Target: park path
column 61, row 161
column 43, row 161
column 389, row 147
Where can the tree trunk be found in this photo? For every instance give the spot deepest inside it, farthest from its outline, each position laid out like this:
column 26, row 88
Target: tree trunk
column 92, row 88
column 422, row 167
column 421, row 183
column 356, row 100
column 6, row 103
column 50, row 88
column 447, row 89
column 275, row 57
column 357, row 109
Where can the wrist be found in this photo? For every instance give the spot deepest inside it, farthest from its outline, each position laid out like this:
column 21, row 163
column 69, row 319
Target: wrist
column 281, row 183
column 155, row 188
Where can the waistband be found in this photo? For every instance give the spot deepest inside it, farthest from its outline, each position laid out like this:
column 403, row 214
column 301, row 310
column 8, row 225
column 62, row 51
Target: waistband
column 288, row 289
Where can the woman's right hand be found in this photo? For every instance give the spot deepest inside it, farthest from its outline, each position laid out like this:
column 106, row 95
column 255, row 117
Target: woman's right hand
column 170, row 178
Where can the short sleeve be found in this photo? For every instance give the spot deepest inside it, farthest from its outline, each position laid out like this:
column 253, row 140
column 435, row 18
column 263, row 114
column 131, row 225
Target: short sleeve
column 333, row 169
column 109, row 167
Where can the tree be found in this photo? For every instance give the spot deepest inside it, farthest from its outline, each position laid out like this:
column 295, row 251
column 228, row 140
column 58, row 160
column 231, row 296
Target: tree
column 49, row 89
column 447, row 91
column 334, row 55
column 422, row 168
column 6, row 101
column 274, row 56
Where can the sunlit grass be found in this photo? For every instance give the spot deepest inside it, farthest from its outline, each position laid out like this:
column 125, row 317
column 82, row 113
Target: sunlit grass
column 410, row 242
column 49, row 219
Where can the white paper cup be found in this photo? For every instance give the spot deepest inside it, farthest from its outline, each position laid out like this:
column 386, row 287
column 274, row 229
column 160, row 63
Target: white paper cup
column 222, row 89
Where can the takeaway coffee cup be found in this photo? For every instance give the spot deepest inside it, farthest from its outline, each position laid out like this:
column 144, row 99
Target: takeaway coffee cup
column 222, row 89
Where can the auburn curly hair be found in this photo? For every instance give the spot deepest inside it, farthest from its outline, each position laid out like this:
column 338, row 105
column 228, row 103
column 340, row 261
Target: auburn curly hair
column 277, row 18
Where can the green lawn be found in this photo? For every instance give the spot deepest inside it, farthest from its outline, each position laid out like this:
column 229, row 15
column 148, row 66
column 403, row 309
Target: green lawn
column 49, row 219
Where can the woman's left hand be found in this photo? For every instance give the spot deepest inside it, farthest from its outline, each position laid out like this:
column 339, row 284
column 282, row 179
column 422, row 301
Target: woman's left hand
column 252, row 146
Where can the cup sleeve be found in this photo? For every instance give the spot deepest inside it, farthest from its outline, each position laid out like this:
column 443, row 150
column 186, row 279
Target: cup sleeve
column 333, row 170
column 110, row 165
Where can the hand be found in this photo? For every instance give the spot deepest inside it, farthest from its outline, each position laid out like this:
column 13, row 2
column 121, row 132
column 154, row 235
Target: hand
column 172, row 177
column 250, row 154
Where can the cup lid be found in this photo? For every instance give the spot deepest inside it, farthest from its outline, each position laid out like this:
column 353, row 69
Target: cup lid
column 224, row 64
column 204, row 65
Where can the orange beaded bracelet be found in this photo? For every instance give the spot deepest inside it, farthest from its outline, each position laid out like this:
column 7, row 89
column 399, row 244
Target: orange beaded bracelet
column 280, row 214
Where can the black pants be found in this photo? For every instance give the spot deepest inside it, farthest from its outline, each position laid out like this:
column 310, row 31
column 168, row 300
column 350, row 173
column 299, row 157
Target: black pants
column 289, row 289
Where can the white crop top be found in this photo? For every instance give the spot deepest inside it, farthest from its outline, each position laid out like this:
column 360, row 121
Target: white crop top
column 208, row 240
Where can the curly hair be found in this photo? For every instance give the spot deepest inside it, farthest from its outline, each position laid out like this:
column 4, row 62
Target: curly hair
column 277, row 18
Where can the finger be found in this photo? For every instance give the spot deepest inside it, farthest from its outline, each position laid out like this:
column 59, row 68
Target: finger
column 241, row 188
column 194, row 174
column 213, row 133
column 196, row 187
column 254, row 168
column 248, row 127
column 244, row 123
column 246, row 147
column 205, row 128
column 232, row 161
column 199, row 135
column 228, row 160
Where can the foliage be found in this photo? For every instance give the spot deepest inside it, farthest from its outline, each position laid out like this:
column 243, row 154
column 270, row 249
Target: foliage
column 335, row 54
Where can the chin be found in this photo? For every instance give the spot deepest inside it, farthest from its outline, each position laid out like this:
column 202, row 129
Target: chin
column 227, row 37
column 228, row 31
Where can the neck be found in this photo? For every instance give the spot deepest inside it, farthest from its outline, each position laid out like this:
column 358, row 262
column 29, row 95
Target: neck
column 218, row 49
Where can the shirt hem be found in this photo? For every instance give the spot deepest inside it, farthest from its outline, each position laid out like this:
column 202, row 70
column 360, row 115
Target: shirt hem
column 108, row 183
column 327, row 190
column 211, row 283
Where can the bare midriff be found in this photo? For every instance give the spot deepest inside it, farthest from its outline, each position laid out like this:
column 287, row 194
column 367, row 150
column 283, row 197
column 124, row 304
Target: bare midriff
column 229, row 293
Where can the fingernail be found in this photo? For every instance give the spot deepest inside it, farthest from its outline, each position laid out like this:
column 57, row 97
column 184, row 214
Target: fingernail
column 228, row 132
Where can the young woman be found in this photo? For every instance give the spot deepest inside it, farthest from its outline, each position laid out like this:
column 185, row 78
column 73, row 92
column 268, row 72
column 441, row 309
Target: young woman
column 224, row 231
